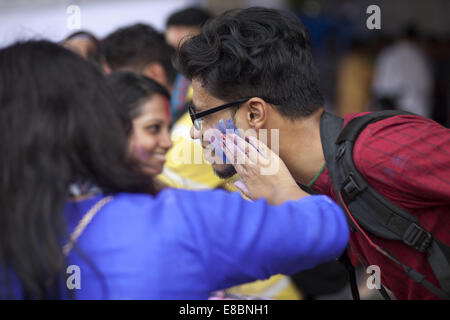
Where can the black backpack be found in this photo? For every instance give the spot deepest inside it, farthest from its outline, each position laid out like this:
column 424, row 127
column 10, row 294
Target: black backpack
column 367, row 210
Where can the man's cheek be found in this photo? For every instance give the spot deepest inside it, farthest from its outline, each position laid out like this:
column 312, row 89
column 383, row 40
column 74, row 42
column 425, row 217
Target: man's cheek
column 213, row 154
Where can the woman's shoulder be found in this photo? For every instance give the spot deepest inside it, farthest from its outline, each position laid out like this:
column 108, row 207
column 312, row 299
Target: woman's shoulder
column 167, row 195
column 169, row 201
column 132, row 219
column 137, row 210
column 172, row 196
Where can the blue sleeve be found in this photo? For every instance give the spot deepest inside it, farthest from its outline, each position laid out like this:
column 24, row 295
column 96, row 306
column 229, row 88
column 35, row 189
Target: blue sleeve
column 241, row 241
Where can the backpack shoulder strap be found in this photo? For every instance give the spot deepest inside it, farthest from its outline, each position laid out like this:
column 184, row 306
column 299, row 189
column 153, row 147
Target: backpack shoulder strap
column 367, row 210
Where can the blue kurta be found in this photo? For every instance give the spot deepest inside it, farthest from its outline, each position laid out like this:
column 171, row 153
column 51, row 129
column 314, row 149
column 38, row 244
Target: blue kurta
column 185, row 244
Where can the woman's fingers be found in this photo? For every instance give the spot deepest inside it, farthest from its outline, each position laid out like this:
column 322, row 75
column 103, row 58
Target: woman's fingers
column 235, row 143
column 249, row 156
column 256, row 150
column 231, row 154
column 243, row 188
column 262, row 148
column 250, row 152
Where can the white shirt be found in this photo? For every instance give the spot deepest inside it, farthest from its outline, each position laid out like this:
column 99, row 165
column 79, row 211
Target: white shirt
column 403, row 71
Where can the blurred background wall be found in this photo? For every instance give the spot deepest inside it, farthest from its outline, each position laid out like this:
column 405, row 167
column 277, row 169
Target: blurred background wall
column 48, row 18
column 347, row 52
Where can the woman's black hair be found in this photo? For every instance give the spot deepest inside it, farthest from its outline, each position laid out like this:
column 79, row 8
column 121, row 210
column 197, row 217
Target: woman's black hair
column 132, row 89
column 58, row 124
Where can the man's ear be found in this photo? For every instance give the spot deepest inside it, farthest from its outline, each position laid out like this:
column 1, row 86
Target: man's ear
column 257, row 113
column 156, row 72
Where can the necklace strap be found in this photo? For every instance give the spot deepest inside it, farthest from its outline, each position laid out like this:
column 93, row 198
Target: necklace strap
column 84, row 222
column 317, row 175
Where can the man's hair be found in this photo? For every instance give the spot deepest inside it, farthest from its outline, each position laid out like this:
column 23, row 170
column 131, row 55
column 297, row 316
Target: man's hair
column 189, row 17
column 255, row 52
column 137, row 45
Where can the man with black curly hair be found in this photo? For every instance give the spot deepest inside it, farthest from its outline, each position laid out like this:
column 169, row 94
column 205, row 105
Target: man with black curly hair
column 255, row 67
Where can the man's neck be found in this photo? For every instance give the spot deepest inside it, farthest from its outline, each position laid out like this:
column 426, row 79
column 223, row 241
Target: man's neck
column 301, row 148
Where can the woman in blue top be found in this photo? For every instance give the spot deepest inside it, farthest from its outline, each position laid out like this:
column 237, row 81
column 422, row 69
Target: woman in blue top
column 118, row 238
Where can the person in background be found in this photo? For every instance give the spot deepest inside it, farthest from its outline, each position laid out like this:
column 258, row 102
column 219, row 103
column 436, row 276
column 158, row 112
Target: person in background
column 144, row 103
column 181, row 25
column 184, row 23
column 141, row 49
column 87, row 45
column 128, row 241
column 439, row 55
column 403, row 77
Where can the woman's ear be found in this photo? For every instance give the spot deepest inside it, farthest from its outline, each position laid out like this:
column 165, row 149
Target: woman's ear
column 257, row 112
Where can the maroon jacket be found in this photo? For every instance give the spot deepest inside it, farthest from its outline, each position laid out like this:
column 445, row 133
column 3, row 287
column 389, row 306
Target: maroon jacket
column 407, row 160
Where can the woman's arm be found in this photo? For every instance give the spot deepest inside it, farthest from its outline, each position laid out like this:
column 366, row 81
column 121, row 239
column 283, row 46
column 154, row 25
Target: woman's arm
column 241, row 241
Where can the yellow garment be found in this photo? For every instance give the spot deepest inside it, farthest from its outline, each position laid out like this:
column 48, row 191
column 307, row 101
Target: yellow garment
column 189, row 94
column 182, row 171
column 277, row 287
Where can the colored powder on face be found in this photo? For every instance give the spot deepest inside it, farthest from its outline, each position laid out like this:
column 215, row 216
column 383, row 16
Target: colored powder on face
column 140, row 152
column 222, row 128
column 225, row 127
column 167, row 109
column 230, row 125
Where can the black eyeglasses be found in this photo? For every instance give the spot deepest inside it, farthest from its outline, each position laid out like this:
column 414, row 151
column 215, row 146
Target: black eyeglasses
column 196, row 117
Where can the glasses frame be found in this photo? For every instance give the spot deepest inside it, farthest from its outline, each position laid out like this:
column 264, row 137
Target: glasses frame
column 197, row 116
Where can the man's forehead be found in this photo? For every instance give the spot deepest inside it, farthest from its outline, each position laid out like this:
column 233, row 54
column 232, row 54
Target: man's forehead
column 200, row 96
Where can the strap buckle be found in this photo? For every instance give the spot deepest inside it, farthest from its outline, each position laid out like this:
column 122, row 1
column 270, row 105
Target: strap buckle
column 350, row 188
column 417, row 237
column 340, row 152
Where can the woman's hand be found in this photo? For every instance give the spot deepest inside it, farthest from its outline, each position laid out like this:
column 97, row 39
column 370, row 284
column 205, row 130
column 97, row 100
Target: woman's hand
column 263, row 174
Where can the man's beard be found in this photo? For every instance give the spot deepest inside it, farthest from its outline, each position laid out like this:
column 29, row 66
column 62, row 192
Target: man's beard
column 226, row 173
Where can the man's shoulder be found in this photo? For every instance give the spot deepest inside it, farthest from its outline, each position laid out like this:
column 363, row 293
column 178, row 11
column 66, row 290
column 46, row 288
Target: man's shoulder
column 397, row 136
column 404, row 153
column 393, row 123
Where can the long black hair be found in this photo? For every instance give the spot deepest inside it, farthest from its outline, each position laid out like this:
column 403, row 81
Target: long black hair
column 57, row 125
